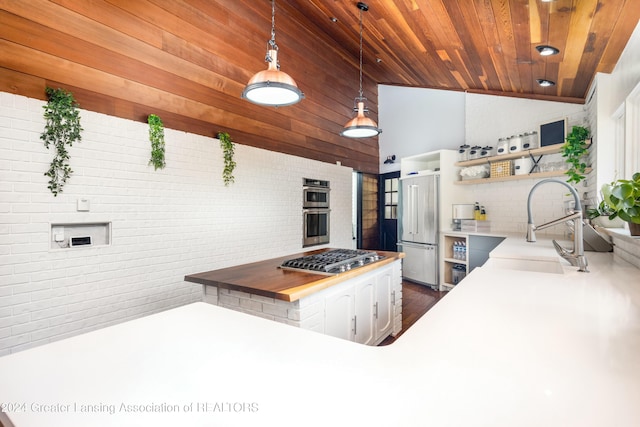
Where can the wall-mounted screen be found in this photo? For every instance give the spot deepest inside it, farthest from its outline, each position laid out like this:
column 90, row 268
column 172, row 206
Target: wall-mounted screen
column 553, row 132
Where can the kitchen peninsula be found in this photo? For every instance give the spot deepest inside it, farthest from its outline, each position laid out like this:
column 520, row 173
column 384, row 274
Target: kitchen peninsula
column 362, row 303
column 505, row 348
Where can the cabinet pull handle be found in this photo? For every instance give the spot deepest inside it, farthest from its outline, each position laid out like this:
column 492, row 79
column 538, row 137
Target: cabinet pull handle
column 355, row 325
column 393, row 297
column 376, row 307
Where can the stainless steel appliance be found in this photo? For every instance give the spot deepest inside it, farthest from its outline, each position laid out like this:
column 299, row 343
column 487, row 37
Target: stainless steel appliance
column 460, row 212
column 315, row 212
column 315, row 227
column 315, row 193
column 418, row 228
column 333, row 261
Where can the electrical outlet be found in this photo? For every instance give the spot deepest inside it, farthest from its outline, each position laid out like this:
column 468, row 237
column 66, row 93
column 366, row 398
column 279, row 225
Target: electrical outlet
column 83, row 205
column 58, row 237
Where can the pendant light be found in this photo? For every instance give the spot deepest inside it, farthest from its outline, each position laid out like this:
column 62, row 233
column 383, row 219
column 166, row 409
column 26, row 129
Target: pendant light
column 272, row 87
column 360, row 126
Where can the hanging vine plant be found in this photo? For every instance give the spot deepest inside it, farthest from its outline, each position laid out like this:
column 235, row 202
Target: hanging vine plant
column 156, row 136
column 62, row 128
column 228, row 149
column 574, row 150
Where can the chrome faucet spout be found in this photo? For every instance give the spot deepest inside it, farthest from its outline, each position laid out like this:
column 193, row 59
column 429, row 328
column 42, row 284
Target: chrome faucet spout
column 576, row 256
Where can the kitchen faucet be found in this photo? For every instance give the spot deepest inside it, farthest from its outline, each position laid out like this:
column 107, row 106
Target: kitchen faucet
column 576, row 256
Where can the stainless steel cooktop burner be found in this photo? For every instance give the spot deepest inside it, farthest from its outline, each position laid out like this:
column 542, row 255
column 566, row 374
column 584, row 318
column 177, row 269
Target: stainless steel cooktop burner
column 332, row 262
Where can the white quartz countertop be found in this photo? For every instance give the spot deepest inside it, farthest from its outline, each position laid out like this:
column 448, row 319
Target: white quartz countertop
column 504, row 348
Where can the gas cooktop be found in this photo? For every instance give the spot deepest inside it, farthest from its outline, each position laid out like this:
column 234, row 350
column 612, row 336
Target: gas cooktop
column 332, row 262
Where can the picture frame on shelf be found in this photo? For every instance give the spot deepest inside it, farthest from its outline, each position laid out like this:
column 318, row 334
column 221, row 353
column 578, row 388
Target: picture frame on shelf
column 554, row 132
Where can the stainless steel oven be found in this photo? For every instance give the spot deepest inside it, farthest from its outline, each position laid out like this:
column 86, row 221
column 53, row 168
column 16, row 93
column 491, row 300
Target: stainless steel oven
column 315, row 193
column 315, row 228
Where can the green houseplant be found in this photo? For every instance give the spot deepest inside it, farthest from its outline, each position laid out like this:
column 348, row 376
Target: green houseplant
column 573, row 150
column 62, row 128
column 623, row 198
column 156, row 136
column 599, row 215
column 228, row 149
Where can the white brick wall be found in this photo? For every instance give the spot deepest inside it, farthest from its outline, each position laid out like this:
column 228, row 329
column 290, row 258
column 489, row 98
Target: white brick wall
column 165, row 223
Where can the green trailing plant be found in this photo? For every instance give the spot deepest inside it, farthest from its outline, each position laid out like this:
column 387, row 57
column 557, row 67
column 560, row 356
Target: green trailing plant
column 62, row 128
column 156, row 136
column 228, row 149
column 573, row 150
column 600, row 210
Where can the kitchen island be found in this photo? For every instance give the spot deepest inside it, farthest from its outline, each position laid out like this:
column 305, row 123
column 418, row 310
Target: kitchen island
column 362, row 304
column 507, row 347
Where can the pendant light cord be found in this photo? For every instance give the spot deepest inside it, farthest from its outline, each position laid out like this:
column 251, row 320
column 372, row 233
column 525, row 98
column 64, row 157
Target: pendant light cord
column 360, row 54
column 271, row 44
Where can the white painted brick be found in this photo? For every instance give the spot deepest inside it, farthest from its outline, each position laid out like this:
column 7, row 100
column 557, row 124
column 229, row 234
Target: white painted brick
column 210, row 299
column 29, row 327
column 227, row 300
column 13, row 300
column 275, row 310
column 5, row 332
column 263, row 299
column 252, row 305
column 5, row 291
column 14, row 341
column 47, row 313
column 239, row 294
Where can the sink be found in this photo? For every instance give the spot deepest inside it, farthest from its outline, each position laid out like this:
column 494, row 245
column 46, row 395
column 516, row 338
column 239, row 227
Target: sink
column 522, row 264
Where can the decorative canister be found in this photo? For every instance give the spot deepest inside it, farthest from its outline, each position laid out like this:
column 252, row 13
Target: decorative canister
column 474, row 152
column 531, row 141
column 487, row 151
column 522, row 166
column 503, row 146
column 463, row 153
column 515, row 143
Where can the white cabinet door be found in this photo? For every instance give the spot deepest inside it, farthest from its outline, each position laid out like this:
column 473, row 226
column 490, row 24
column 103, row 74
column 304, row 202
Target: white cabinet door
column 362, row 311
column 383, row 313
column 339, row 314
column 365, row 311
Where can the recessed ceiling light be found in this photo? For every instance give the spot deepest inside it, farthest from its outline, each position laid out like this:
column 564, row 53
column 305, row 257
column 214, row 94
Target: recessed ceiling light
column 545, row 82
column 546, row 50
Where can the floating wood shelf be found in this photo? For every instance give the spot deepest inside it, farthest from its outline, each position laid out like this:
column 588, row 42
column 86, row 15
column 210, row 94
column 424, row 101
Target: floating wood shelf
column 550, row 149
column 535, row 175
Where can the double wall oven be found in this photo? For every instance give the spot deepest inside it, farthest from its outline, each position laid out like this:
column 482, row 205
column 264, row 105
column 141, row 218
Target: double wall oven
column 315, row 211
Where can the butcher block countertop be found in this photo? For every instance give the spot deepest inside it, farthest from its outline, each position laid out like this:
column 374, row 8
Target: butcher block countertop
column 267, row 279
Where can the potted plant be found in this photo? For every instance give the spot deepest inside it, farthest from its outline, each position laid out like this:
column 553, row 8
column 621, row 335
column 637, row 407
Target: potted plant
column 623, row 198
column 600, row 216
column 574, row 149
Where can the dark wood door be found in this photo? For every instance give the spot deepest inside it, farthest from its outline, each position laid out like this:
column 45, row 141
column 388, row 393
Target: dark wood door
column 388, row 185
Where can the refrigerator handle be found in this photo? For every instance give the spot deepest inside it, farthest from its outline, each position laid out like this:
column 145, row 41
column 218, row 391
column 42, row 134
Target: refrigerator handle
column 413, row 208
column 436, row 198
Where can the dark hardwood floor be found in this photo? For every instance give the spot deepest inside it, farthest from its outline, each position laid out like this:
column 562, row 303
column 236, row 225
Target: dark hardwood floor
column 416, row 301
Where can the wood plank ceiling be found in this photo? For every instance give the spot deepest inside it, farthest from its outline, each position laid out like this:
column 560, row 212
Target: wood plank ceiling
column 188, row 60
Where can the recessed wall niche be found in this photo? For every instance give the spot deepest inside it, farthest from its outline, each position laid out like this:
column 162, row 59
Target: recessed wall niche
column 80, row 235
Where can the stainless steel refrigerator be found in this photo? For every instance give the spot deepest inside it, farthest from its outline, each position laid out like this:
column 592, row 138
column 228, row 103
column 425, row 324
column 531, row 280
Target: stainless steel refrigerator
column 418, row 228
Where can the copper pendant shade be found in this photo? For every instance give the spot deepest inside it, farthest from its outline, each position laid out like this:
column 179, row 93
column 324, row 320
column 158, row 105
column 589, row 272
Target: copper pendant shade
column 361, row 126
column 272, row 87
